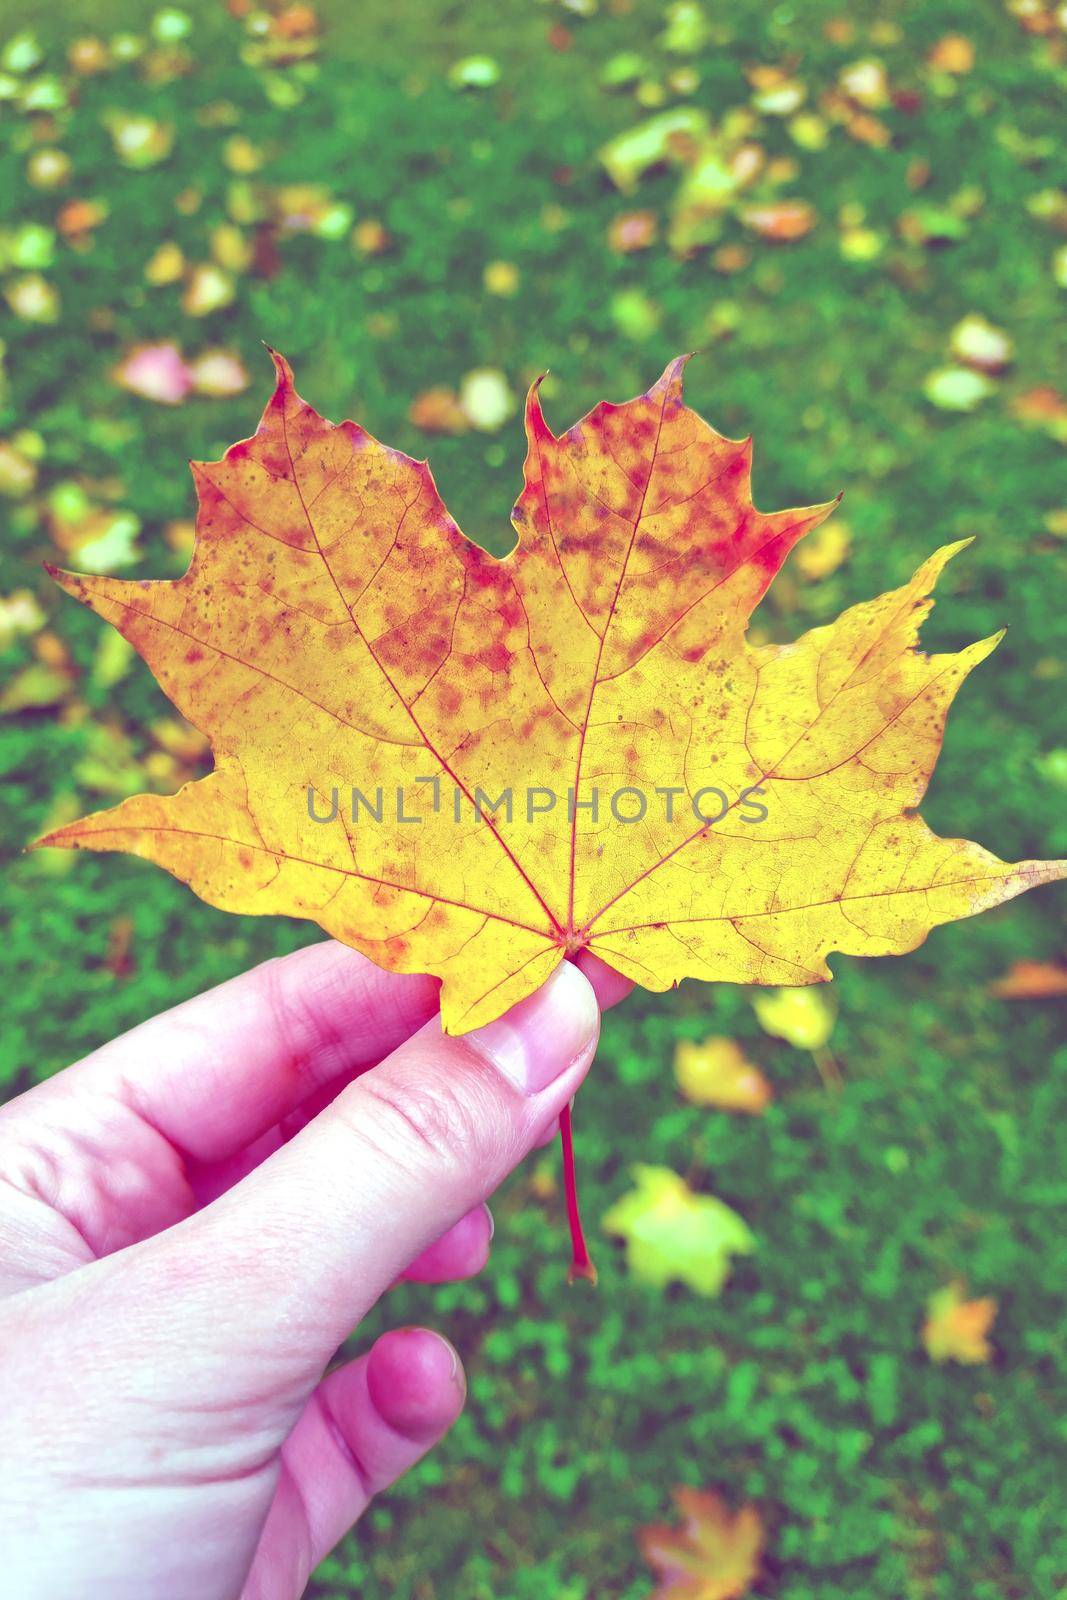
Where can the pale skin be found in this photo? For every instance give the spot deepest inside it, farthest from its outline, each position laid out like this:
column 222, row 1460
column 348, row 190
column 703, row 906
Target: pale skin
column 192, row 1221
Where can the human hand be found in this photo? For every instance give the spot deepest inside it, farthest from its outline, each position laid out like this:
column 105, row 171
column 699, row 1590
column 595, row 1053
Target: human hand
column 194, row 1218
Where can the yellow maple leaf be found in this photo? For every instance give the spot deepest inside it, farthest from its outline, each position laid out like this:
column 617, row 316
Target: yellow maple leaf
column 716, row 1072
column 804, row 1018
column 957, row 1329
column 675, row 1235
column 821, row 555
column 714, row 1555
column 374, row 685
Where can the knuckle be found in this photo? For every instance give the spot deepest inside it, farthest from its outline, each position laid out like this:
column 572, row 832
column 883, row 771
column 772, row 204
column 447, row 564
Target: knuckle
column 300, row 1001
column 429, row 1120
column 287, row 1009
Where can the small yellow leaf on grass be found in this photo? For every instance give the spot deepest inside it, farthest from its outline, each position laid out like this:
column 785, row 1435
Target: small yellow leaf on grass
column 218, row 372
column 714, row 1555
column 166, row 265
column 208, row 289
column 803, row 1017
column 957, row 1329
column 824, row 551
column 717, row 1073
column 501, row 277
column 978, row 343
column 675, row 1235
column 954, row 53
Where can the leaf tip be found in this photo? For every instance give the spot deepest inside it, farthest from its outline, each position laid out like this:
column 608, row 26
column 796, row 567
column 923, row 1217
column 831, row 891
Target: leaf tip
column 974, row 654
column 1026, row 875
column 282, row 369
column 72, row 583
column 536, row 426
column 671, row 384
column 52, row 840
column 948, row 552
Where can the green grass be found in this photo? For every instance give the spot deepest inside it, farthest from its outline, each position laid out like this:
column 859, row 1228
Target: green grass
column 804, row 1387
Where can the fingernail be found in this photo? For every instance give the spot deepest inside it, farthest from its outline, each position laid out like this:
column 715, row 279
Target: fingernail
column 537, row 1040
column 455, row 1365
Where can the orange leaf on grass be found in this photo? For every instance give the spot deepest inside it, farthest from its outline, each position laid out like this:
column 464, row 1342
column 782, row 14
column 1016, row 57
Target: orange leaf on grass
column 716, row 1072
column 714, row 1555
column 437, row 410
column 336, row 630
column 954, row 54
column 780, row 221
column 957, row 1329
column 1031, row 980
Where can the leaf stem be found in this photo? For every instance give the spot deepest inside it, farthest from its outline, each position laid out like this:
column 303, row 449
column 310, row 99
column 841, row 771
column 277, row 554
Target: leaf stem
column 828, row 1070
column 581, row 1265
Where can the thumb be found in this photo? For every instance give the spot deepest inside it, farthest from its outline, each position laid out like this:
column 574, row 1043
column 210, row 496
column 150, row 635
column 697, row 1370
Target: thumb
column 306, row 1243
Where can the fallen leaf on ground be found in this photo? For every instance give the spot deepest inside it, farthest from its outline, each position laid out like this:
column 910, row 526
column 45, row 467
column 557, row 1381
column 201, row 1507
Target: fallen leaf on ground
column 209, row 289
column 18, row 471
column 37, row 687
column 957, row 1329
column 1044, row 408
column 803, row 1017
column 821, row 554
column 161, row 373
column 77, row 219
column 1031, row 980
column 717, row 1072
column 103, row 539
column 155, row 372
column 218, row 373
column 438, row 410
column 674, row 136
column 954, row 54
column 957, row 388
column 714, row 1555
column 781, row 222
column 633, row 230
column 485, row 399
column 979, row 344
column 674, row 1235
column 20, row 615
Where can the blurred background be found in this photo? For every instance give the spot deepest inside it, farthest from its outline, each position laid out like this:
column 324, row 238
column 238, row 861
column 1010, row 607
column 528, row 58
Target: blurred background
column 829, row 1222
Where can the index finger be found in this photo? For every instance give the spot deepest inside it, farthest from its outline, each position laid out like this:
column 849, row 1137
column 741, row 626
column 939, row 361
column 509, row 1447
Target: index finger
column 216, row 1072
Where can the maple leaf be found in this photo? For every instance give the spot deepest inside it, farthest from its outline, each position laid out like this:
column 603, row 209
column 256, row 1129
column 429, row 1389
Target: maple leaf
column 714, row 1555
column 674, row 1234
column 802, row 1017
column 716, row 1072
column 335, row 629
column 335, row 632
column 957, row 1329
